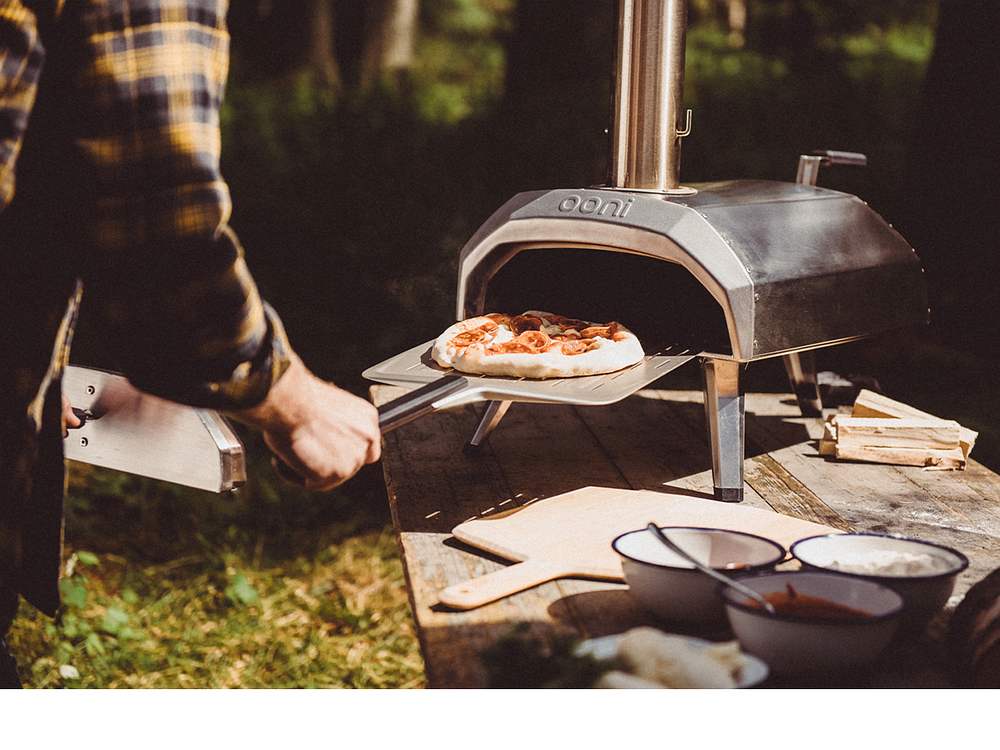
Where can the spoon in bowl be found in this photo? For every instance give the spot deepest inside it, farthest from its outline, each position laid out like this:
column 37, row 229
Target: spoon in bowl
column 711, row 572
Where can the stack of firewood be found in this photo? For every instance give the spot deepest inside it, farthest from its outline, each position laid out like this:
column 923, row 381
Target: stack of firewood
column 881, row 430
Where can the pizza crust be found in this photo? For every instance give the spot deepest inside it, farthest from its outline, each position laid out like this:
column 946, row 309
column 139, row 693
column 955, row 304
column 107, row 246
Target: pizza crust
column 605, row 354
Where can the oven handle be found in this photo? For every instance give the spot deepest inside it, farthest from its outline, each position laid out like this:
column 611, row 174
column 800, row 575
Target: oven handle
column 418, row 403
column 842, row 158
column 810, row 164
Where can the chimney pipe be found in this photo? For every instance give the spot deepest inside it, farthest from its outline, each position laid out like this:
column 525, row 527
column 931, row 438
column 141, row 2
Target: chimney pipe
column 649, row 95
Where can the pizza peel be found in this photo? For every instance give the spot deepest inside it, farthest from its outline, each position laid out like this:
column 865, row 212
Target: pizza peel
column 569, row 536
column 437, row 388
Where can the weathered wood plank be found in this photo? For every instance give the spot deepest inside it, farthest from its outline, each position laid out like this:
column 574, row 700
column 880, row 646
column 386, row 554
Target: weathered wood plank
column 452, row 641
column 654, row 439
column 653, row 446
column 679, row 431
column 943, row 507
column 786, row 494
column 433, row 486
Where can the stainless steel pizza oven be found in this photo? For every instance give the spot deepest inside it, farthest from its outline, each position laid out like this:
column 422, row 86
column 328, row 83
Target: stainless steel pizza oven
column 726, row 272
column 785, row 267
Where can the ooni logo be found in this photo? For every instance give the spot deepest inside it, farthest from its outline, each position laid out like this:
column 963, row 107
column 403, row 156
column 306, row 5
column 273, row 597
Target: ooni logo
column 616, row 208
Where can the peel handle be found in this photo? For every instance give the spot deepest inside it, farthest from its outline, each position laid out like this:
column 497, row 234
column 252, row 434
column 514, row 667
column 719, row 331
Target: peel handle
column 417, row 403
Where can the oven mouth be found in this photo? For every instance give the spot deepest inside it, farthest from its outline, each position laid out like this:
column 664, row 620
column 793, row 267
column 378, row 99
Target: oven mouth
column 660, row 301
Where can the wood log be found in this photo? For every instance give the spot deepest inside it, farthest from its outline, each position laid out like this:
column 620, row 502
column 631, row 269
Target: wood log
column 908, row 432
column 905, row 441
column 871, row 404
column 828, row 443
column 926, row 457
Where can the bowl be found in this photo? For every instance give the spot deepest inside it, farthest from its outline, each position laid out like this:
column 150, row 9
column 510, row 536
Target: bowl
column 924, row 593
column 799, row 644
column 671, row 588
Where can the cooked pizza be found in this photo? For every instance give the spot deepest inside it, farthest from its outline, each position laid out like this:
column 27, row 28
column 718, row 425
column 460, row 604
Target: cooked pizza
column 536, row 344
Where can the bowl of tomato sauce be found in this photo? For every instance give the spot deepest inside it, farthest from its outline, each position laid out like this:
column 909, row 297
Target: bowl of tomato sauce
column 822, row 622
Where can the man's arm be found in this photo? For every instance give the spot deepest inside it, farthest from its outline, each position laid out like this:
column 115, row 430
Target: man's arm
column 21, row 56
column 165, row 270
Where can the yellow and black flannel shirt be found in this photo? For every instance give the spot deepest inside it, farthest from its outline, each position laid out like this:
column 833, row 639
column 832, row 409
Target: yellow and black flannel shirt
column 109, row 135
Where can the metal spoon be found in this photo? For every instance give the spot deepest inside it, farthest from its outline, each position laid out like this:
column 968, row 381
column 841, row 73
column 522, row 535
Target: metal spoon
column 735, row 585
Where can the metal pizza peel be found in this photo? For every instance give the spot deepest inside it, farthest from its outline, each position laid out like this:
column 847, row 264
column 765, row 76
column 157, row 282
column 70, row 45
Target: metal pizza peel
column 436, row 388
column 131, row 431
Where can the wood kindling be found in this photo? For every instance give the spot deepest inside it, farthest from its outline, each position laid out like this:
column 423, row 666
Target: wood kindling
column 882, row 430
column 871, row 404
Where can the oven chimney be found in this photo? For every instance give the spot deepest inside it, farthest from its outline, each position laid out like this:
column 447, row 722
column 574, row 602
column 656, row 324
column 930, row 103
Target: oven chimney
column 649, row 96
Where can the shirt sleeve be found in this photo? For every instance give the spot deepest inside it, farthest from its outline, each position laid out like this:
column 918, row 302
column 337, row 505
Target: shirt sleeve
column 21, row 56
column 164, row 270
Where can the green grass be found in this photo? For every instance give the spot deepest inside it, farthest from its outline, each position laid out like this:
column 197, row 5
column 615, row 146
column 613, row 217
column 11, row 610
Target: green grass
column 340, row 620
column 319, row 603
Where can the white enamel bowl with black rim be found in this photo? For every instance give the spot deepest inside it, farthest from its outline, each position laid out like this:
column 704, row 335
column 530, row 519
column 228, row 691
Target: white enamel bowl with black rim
column 924, row 593
column 797, row 644
column 671, row 588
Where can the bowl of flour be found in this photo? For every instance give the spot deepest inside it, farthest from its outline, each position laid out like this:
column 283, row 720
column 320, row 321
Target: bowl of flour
column 924, row 573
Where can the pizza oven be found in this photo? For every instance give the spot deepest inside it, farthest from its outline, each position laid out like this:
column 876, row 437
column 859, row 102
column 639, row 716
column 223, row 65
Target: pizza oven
column 732, row 271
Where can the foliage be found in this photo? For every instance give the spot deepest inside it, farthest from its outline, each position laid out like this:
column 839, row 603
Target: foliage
column 755, row 112
column 370, row 200
column 360, row 201
column 460, row 60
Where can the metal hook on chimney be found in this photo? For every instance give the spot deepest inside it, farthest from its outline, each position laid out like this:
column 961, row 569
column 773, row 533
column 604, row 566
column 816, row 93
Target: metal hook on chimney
column 687, row 126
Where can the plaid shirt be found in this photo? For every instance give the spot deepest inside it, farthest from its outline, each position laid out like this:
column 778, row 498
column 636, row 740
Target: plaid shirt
column 109, row 119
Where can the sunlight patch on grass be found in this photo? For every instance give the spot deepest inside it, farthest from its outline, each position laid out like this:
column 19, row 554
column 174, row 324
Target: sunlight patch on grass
column 207, row 620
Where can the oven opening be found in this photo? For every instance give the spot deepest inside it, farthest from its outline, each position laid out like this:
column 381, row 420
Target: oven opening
column 661, row 302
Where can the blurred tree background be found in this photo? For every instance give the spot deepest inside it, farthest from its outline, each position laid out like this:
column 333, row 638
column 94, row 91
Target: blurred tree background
column 364, row 142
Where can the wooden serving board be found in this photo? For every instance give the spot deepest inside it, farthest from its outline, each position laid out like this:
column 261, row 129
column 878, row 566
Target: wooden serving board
column 570, row 535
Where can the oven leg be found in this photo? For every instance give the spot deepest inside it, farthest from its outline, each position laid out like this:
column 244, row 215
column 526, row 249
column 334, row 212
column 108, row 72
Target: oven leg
column 801, row 369
column 724, row 411
column 491, row 418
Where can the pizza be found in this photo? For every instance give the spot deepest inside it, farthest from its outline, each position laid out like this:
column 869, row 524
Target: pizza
column 536, row 344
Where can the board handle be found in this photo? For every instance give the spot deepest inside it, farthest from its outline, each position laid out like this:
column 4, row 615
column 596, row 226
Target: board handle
column 499, row 583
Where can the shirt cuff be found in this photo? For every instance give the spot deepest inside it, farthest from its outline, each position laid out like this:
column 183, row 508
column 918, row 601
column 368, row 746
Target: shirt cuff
column 250, row 381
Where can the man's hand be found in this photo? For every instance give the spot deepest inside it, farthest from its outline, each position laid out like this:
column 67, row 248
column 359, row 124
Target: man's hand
column 323, row 433
column 69, row 420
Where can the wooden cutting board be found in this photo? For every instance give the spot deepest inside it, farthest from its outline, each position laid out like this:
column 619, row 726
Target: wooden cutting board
column 569, row 536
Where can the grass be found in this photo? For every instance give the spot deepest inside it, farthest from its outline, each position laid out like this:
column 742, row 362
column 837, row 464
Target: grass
column 321, row 605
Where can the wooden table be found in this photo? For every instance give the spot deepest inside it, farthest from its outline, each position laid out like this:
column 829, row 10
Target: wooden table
column 654, row 438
